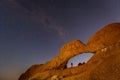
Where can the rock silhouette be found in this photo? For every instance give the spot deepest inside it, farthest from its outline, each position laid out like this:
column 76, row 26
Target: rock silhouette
column 104, row 65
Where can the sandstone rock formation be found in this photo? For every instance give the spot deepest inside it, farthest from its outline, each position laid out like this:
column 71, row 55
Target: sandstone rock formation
column 105, row 43
column 32, row 70
column 68, row 51
column 104, row 65
column 108, row 35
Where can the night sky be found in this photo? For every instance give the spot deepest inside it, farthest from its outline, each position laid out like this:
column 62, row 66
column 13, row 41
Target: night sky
column 32, row 31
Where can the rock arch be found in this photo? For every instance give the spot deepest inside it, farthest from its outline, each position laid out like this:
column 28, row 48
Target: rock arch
column 108, row 35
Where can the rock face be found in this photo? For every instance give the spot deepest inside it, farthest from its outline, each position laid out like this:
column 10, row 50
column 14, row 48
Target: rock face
column 108, row 35
column 104, row 65
column 32, row 70
column 67, row 51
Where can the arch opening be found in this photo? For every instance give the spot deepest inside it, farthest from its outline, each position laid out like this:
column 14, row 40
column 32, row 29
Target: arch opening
column 79, row 59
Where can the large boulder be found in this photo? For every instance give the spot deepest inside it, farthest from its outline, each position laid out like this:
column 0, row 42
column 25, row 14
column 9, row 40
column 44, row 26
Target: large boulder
column 108, row 35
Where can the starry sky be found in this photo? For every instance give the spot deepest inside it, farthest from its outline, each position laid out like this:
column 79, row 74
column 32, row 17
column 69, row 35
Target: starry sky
column 32, row 31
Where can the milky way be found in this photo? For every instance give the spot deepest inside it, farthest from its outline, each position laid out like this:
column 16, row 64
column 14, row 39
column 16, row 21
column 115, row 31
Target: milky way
column 32, row 31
